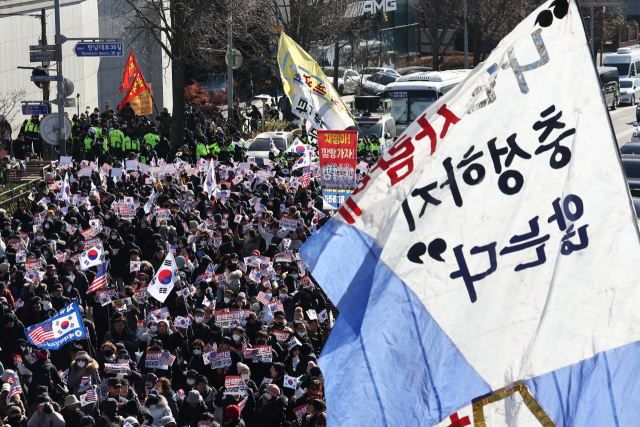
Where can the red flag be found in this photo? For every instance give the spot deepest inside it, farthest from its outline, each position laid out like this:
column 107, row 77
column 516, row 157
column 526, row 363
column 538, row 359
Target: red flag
column 137, row 87
column 130, row 70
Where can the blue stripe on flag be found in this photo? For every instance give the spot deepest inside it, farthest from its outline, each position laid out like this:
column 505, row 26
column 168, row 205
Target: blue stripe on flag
column 586, row 392
column 412, row 374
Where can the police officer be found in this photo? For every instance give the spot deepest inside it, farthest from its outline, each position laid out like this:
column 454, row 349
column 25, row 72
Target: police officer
column 374, row 145
column 131, row 144
column 89, row 141
column 145, row 156
column 32, row 135
column 362, row 147
column 116, row 138
column 151, row 139
column 201, row 147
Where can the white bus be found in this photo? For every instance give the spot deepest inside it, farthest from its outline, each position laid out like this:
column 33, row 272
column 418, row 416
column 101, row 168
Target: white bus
column 626, row 60
column 410, row 95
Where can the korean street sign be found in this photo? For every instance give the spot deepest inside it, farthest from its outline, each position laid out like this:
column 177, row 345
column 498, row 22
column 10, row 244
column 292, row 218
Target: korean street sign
column 99, row 49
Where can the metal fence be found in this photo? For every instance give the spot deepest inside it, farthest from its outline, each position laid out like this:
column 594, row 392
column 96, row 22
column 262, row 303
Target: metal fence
column 9, row 199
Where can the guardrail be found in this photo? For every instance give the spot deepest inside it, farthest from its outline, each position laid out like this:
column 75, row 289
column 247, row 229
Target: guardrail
column 9, row 199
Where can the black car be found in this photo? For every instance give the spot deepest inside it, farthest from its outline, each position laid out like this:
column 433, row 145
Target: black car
column 631, row 164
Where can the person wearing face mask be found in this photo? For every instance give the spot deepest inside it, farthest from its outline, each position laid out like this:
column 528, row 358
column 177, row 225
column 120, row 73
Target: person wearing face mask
column 198, row 330
column 306, row 357
column 145, row 334
column 270, row 406
column 83, row 366
column 107, row 354
column 286, row 301
column 156, row 407
column 228, row 404
column 71, row 412
column 202, row 291
column 228, row 301
column 233, row 277
column 190, row 380
column 40, row 239
column 150, row 353
column 15, row 417
column 301, row 332
column 110, row 413
column 44, row 373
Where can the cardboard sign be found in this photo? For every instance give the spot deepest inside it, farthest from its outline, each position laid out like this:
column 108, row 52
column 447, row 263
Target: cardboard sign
column 226, row 320
column 300, row 412
column 117, row 367
column 235, row 386
column 280, row 335
column 92, row 242
column 288, row 223
column 152, row 360
column 222, row 359
column 259, row 353
column 33, row 265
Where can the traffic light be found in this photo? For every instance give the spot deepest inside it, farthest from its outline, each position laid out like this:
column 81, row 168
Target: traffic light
column 40, row 71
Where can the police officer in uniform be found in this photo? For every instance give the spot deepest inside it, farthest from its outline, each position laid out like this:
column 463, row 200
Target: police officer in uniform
column 116, row 139
column 131, row 144
column 32, row 135
column 151, row 139
column 89, row 142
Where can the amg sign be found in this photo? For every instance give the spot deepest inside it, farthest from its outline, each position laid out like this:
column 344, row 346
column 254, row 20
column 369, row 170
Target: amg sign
column 370, row 6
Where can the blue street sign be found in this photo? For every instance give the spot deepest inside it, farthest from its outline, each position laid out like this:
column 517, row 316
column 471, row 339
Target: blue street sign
column 38, row 109
column 99, row 49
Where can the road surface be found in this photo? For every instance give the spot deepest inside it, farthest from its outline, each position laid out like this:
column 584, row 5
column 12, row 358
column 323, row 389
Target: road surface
column 622, row 120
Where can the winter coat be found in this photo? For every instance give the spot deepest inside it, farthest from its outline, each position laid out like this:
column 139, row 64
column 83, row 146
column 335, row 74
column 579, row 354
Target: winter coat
column 157, row 411
column 127, row 337
column 76, row 373
column 17, row 422
column 8, row 338
column 190, row 416
column 270, row 415
column 72, row 419
column 172, row 401
column 42, row 419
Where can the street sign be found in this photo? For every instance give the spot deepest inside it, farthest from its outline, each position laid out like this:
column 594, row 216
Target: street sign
column 49, row 129
column 237, row 59
column 31, row 110
column 43, row 78
column 41, row 48
column 99, row 49
column 46, row 55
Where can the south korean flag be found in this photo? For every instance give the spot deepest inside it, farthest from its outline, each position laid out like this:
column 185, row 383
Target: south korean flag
column 93, row 255
column 163, row 281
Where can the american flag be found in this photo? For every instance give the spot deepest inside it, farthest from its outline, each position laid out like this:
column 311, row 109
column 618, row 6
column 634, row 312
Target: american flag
column 42, row 334
column 180, row 395
column 16, row 387
column 262, row 297
column 306, row 179
column 90, row 396
column 244, row 345
column 101, row 279
column 167, row 358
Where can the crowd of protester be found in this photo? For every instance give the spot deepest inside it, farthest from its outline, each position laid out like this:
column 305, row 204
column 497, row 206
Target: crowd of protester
column 220, row 241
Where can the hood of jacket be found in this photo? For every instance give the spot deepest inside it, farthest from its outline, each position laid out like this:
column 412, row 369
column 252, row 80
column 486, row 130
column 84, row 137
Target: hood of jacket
column 91, row 366
column 162, row 402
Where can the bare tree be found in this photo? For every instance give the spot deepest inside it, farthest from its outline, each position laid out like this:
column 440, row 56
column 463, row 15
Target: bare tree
column 184, row 30
column 436, row 18
column 9, row 105
column 490, row 20
column 299, row 19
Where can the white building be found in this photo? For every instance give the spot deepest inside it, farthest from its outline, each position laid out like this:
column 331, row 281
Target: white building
column 96, row 79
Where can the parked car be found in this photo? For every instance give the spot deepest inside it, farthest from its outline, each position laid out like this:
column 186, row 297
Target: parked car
column 631, row 164
column 348, row 80
column 377, row 83
column 629, row 90
column 635, row 137
column 260, row 146
column 631, row 147
column 382, row 125
column 609, row 80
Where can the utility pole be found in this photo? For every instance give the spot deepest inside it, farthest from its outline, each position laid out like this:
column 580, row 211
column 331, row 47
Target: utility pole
column 62, row 140
column 230, row 66
column 466, row 43
column 43, row 42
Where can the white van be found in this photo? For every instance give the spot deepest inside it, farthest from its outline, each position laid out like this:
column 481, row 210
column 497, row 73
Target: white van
column 410, row 95
column 626, row 60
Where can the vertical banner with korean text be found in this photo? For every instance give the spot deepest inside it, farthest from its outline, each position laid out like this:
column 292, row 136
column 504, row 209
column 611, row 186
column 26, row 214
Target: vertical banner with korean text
column 337, row 152
column 311, row 93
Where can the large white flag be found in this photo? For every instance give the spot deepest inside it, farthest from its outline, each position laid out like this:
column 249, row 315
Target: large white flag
column 152, row 198
column 65, row 191
column 93, row 255
column 210, row 181
column 500, row 231
column 162, row 283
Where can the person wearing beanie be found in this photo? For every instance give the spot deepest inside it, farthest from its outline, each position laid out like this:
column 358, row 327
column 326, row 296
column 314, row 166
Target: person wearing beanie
column 192, row 408
column 45, row 415
column 168, row 422
column 15, row 417
column 270, row 405
column 233, row 415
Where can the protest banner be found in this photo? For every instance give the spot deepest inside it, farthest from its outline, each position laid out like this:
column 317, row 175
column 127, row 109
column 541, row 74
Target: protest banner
column 337, row 151
column 235, row 385
column 289, row 223
column 152, row 360
column 221, row 359
column 117, row 368
column 300, row 412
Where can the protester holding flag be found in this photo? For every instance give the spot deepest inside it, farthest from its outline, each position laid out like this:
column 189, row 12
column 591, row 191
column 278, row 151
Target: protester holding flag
column 83, row 374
